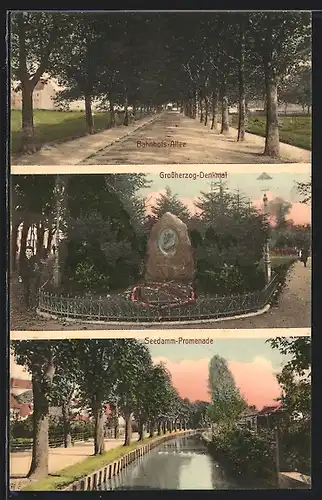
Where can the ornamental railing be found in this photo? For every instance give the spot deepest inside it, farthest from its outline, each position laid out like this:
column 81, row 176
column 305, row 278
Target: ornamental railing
column 121, row 309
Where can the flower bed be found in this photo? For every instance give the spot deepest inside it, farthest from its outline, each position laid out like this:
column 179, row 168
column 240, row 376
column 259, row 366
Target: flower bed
column 163, row 295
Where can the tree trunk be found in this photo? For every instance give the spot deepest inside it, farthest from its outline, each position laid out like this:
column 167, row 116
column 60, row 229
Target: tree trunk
column 159, row 428
column 98, row 413
column 40, row 236
column 14, row 246
column 24, row 236
column 126, row 112
column 61, row 188
column 141, row 430
column 112, row 112
column 206, row 110
column 40, row 444
column 272, row 145
column 241, row 77
column 27, row 145
column 56, row 269
column 224, row 114
column 50, row 238
column 201, row 106
column 39, row 462
column 117, row 430
column 214, row 106
column 128, row 428
column 27, row 87
column 151, row 429
column 88, row 114
column 195, row 104
column 66, row 426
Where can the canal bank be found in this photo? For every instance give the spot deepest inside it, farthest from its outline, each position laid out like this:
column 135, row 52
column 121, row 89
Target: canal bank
column 96, row 479
column 182, row 463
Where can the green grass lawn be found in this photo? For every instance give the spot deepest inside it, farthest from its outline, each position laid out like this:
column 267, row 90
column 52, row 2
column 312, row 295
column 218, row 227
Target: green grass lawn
column 64, row 477
column 294, row 130
column 55, row 126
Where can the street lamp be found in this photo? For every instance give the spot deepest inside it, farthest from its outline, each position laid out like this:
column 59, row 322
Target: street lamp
column 264, row 178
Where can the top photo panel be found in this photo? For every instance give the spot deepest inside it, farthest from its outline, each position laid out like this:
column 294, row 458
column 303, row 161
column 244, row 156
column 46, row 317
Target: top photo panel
column 144, row 88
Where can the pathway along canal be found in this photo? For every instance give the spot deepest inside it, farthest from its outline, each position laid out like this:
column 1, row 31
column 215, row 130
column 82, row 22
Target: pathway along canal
column 179, row 464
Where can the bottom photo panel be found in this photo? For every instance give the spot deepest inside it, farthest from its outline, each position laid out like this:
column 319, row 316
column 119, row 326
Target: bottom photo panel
column 133, row 414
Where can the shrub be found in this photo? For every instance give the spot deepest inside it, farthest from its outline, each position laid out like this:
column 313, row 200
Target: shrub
column 230, row 280
column 295, row 444
column 21, row 428
column 87, row 276
column 245, row 452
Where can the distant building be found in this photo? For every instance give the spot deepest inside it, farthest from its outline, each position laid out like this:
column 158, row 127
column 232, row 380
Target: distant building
column 266, row 418
column 43, row 96
column 20, row 402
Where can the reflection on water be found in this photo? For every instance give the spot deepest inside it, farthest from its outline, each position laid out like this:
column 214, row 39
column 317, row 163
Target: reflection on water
column 181, row 464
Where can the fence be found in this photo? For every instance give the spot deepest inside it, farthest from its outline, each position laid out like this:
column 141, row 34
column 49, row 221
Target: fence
column 121, row 309
column 55, row 441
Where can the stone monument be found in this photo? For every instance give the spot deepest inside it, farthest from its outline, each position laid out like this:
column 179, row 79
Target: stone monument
column 170, row 265
column 170, row 255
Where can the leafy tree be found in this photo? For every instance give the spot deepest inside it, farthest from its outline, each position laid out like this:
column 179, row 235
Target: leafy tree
column 132, row 361
column 154, row 398
column 42, row 360
column 98, row 377
column 169, row 202
column 305, row 191
column 227, row 402
column 78, row 69
column 282, row 40
column 199, row 417
column 36, row 37
column 279, row 209
column 64, row 390
column 295, row 383
column 32, row 202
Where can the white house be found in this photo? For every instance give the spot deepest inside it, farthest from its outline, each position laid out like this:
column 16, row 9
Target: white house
column 43, row 96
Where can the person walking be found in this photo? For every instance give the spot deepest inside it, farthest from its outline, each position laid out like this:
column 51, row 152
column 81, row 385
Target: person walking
column 28, row 275
column 304, row 255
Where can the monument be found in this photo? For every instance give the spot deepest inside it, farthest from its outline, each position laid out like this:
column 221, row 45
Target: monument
column 170, row 270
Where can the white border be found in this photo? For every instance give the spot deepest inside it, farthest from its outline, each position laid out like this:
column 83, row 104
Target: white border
column 236, row 168
column 162, row 334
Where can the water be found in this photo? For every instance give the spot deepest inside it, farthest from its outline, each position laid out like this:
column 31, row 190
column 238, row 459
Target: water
column 179, row 464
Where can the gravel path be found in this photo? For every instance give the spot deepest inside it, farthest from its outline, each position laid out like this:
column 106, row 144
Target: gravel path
column 124, row 145
column 203, row 145
column 59, row 458
column 292, row 311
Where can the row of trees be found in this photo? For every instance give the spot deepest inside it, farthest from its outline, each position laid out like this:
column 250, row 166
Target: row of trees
column 103, row 227
column 100, row 226
column 93, row 373
column 204, row 61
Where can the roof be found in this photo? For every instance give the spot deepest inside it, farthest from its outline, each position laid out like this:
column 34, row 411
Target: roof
column 18, row 383
column 24, row 409
column 25, row 397
column 268, row 410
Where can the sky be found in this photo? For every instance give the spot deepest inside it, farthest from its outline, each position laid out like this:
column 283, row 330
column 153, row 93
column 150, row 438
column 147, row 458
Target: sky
column 253, row 363
column 282, row 185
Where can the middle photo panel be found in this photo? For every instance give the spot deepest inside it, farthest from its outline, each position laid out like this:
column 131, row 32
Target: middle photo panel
column 176, row 247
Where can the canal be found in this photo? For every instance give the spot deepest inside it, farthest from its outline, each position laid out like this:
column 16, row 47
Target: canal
column 179, row 464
